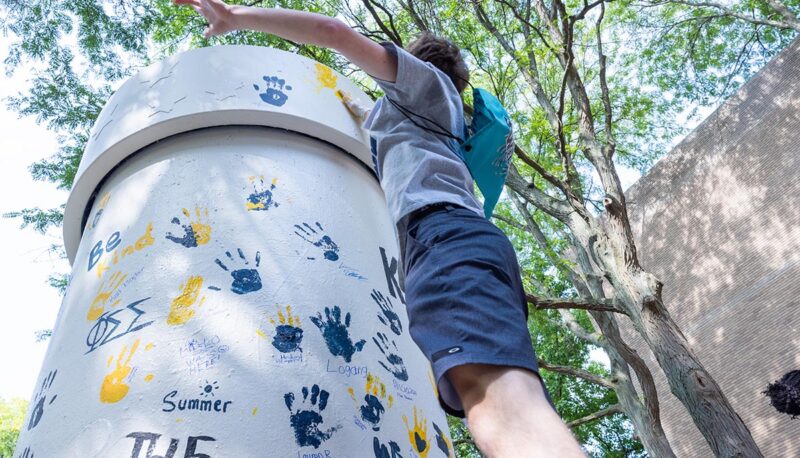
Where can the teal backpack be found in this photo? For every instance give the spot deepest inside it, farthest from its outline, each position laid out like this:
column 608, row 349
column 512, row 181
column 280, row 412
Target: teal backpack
column 488, row 148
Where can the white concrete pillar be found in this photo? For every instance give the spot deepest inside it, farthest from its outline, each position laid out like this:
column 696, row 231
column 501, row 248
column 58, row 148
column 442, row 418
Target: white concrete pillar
column 234, row 288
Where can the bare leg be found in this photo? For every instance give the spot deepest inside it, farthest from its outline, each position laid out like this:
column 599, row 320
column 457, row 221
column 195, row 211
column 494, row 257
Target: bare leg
column 508, row 413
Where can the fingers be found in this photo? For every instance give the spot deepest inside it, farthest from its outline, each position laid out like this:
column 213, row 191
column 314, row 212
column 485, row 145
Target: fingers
column 187, row 2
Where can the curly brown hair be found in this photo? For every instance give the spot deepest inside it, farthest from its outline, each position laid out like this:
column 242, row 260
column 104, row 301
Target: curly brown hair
column 444, row 55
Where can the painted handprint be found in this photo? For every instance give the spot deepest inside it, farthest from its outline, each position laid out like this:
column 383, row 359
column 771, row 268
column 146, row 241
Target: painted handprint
column 418, row 435
column 182, row 307
column 195, row 233
column 394, row 363
column 27, row 453
column 372, row 409
column 101, row 205
column 387, row 315
column 114, row 388
column 245, row 280
column 442, row 441
column 336, row 333
column 319, row 239
column 288, row 334
column 40, row 398
column 261, row 199
column 381, row 451
column 274, row 88
column 307, row 419
column 104, row 293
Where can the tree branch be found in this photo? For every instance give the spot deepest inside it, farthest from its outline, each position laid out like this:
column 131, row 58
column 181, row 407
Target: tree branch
column 605, row 305
column 580, row 373
column 610, row 410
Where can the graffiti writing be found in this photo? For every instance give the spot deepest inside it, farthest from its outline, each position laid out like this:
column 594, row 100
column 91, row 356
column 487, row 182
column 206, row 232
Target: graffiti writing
column 392, row 279
column 95, row 256
column 205, row 402
column 40, row 398
column 347, row 370
column 404, row 391
column 202, row 354
column 152, row 439
column 112, row 325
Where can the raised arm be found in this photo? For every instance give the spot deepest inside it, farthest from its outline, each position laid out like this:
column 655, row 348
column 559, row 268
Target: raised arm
column 300, row 27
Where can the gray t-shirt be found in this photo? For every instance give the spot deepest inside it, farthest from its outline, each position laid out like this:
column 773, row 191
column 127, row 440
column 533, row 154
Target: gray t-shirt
column 417, row 167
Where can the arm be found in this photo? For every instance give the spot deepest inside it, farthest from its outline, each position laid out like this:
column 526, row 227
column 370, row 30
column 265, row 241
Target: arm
column 301, row 27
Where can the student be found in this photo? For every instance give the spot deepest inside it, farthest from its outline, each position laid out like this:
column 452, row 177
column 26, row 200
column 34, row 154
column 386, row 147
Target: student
column 466, row 306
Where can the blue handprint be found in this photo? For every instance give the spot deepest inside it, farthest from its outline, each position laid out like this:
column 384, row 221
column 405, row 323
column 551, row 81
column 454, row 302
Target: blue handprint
column 274, row 90
column 389, row 318
column 382, row 452
column 306, row 422
column 441, row 440
column 336, row 334
column 39, row 400
column 245, row 280
column 394, row 362
column 328, row 246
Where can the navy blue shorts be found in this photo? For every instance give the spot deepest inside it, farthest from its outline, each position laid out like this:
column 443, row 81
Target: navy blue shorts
column 464, row 295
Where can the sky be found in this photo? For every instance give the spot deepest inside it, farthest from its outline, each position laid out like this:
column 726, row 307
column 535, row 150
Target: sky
column 30, row 304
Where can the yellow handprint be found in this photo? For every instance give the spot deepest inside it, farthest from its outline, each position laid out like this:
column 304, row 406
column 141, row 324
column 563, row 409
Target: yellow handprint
column 375, row 392
column 114, row 388
column 418, row 436
column 181, row 309
column 104, row 294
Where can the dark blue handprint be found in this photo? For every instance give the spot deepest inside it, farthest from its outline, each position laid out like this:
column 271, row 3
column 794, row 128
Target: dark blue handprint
column 387, row 315
column 288, row 334
column 27, row 453
column 329, row 248
column 394, row 362
column 335, row 333
column 306, row 421
column 382, row 452
column 441, row 441
column 39, row 400
column 245, row 280
column 274, row 88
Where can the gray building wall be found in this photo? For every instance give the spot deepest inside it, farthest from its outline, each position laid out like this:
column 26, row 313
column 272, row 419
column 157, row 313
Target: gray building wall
column 718, row 221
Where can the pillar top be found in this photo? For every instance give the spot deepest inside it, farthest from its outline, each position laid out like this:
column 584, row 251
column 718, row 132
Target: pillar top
column 208, row 87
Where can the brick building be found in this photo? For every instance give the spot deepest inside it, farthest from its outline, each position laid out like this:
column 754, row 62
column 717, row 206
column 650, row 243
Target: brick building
column 718, row 221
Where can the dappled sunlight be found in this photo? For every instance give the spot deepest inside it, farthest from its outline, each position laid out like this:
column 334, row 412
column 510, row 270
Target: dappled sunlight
column 717, row 221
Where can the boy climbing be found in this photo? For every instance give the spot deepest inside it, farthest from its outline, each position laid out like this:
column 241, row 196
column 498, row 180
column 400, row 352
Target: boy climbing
column 466, row 306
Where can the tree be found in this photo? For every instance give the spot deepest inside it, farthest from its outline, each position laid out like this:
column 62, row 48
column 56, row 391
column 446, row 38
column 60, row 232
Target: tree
column 12, row 413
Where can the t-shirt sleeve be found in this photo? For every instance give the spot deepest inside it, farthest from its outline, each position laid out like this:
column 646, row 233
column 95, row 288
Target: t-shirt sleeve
column 420, row 87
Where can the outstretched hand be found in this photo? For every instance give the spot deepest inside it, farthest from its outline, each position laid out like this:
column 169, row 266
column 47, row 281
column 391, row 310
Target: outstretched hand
column 218, row 14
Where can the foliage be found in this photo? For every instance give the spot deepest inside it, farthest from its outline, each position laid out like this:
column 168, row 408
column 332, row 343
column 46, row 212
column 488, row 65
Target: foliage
column 12, row 413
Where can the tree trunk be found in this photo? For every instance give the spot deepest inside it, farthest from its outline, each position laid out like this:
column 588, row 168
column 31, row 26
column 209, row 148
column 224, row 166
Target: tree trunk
column 722, row 427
